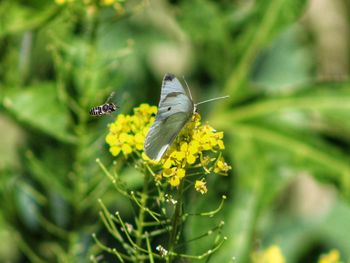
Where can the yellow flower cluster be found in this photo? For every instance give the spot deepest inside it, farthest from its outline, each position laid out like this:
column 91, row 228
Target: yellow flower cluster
column 60, row 2
column 115, row 3
column 272, row 254
column 332, row 257
column 196, row 147
column 127, row 133
column 108, row 2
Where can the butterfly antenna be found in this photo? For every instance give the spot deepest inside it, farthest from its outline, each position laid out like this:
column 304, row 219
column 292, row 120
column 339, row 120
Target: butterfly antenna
column 219, row 98
column 188, row 88
column 110, row 97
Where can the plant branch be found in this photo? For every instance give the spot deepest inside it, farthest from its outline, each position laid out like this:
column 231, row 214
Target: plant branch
column 176, row 221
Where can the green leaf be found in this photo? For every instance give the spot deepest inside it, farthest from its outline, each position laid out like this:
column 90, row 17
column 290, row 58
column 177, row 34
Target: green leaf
column 244, row 207
column 285, row 64
column 38, row 107
column 15, row 18
column 50, row 180
column 274, row 139
column 271, row 17
column 311, row 98
column 295, row 233
column 322, row 157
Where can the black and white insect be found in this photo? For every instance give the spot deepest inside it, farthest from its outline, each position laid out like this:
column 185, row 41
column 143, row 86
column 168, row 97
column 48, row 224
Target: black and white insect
column 107, row 108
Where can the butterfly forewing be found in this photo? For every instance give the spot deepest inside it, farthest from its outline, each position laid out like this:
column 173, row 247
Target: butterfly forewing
column 170, row 84
column 174, row 103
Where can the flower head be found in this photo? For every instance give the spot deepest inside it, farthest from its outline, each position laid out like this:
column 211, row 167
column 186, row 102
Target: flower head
column 272, row 254
column 127, row 133
column 195, row 151
column 332, row 257
column 107, row 2
column 200, row 186
column 221, row 167
column 60, row 2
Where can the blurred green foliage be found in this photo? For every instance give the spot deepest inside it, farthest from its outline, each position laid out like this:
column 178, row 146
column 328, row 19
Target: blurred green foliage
column 288, row 135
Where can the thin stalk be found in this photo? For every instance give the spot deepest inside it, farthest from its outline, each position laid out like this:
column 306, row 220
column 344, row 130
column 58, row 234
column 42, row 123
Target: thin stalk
column 150, row 254
column 176, row 221
column 141, row 218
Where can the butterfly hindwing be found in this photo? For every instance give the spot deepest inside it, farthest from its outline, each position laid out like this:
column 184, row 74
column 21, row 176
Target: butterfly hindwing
column 162, row 134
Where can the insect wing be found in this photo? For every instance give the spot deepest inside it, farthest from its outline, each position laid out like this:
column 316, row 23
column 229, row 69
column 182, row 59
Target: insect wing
column 162, row 134
column 170, row 84
column 110, row 97
column 174, row 111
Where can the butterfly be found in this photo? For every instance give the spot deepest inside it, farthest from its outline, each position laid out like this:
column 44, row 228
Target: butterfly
column 107, row 108
column 175, row 109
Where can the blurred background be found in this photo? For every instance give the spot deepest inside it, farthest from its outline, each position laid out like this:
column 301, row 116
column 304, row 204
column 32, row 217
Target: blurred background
column 285, row 65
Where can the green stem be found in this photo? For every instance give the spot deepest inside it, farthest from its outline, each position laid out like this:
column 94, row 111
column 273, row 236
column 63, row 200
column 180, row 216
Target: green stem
column 239, row 75
column 176, row 221
column 81, row 158
column 307, row 103
column 91, row 58
column 141, row 218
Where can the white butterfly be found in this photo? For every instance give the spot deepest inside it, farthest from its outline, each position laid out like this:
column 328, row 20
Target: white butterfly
column 175, row 109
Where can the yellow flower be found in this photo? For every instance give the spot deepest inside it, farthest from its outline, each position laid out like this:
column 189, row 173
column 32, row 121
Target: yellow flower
column 174, row 181
column 146, row 109
column 272, row 254
column 111, row 139
column 200, row 186
column 174, row 174
column 189, row 151
column 107, row 2
column 180, row 173
column 168, row 172
column 221, row 144
column 126, row 149
column 222, row 167
column 139, row 139
column 115, row 150
column 168, row 163
column 60, row 2
column 208, row 138
column 332, row 257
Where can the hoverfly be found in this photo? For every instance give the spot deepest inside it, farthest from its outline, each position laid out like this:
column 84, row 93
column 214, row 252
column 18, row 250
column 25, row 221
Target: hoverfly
column 107, row 108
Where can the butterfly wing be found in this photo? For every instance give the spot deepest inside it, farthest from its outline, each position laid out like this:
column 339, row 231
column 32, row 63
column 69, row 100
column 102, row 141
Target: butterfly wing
column 162, row 134
column 174, row 111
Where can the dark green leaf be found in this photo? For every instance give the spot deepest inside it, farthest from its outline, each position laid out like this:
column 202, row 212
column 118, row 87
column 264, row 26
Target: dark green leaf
column 38, row 107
